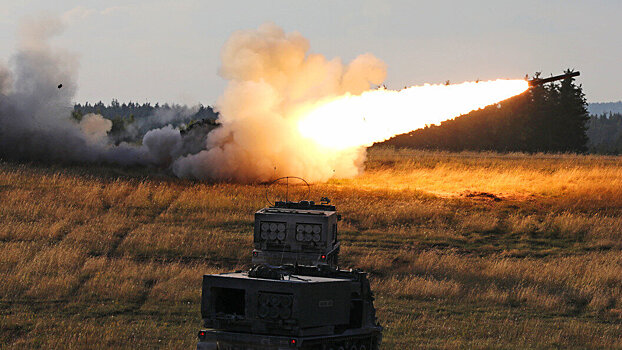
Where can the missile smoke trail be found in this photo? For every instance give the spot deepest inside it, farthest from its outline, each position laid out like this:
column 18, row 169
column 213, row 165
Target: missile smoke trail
column 285, row 111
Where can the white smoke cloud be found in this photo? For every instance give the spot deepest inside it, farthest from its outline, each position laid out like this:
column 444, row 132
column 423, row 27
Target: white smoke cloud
column 95, row 128
column 161, row 117
column 163, row 145
column 272, row 78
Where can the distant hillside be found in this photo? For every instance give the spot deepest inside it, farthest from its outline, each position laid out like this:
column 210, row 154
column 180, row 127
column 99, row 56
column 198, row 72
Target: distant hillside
column 598, row 108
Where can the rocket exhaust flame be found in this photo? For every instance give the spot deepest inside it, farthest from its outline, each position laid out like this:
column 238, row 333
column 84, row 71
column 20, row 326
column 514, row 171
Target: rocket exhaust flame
column 377, row 115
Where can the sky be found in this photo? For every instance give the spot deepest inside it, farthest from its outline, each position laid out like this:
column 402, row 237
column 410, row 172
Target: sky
column 169, row 51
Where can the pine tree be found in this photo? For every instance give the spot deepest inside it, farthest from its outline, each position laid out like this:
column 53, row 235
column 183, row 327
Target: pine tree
column 573, row 117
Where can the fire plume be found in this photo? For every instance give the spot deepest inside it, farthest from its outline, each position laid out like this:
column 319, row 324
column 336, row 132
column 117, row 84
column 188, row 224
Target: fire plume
column 376, row 115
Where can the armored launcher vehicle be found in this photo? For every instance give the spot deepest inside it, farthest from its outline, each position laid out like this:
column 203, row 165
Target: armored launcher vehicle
column 295, row 296
column 289, row 307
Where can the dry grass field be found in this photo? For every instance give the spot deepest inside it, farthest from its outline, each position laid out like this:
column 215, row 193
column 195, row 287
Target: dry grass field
column 465, row 250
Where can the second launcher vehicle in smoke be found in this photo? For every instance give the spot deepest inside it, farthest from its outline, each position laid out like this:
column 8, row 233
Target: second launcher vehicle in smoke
column 295, row 296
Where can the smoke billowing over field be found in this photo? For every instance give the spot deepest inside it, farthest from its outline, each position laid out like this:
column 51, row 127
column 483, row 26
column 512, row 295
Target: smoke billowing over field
column 272, row 79
column 36, row 104
column 285, row 111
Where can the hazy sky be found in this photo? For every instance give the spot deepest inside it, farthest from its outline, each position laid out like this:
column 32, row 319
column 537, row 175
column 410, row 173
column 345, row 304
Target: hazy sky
column 168, row 51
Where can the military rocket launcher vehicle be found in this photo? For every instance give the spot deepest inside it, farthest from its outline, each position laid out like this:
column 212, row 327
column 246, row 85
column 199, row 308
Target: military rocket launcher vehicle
column 295, row 296
column 289, row 307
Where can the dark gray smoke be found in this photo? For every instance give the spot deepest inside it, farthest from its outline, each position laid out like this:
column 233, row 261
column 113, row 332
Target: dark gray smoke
column 35, row 110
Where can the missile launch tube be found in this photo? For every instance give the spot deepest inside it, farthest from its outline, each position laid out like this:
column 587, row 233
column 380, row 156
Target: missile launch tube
column 540, row 81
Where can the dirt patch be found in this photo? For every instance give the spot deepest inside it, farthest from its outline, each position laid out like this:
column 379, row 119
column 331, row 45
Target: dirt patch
column 482, row 196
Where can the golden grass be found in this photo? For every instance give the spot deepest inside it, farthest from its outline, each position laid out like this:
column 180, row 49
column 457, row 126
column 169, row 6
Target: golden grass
column 464, row 250
column 588, row 283
column 583, row 180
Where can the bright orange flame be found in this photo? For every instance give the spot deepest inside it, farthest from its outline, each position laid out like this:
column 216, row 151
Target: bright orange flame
column 353, row 121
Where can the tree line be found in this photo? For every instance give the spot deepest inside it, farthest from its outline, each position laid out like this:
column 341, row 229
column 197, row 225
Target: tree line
column 130, row 121
column 546, row 118
column 605, row 133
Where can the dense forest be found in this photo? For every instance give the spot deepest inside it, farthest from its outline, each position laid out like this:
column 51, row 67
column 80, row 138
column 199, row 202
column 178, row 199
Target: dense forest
column 600, row 108
column 605, row 133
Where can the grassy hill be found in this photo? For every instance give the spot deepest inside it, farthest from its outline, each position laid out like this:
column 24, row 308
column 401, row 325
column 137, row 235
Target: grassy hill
column 475, row 250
